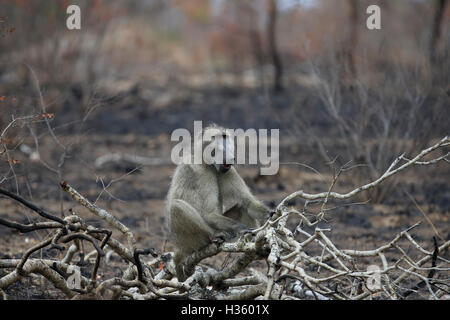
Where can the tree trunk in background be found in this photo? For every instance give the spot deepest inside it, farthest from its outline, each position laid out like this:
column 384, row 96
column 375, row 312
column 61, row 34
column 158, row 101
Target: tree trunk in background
column 353, row 41
column 273, row 51
column 436, row 31
column 255, row 38
column 258, row 55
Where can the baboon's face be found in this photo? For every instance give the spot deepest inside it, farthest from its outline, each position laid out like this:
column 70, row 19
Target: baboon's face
column 225, row 147
column 221, row 152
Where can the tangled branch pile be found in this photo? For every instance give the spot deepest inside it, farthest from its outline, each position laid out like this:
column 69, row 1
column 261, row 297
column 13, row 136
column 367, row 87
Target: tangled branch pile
column 303, row 262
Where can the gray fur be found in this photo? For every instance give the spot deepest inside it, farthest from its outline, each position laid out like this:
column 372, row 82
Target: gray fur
column 203, row 201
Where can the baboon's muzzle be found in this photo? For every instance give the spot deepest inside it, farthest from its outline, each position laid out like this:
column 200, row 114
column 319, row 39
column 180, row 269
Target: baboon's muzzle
column 224, row 168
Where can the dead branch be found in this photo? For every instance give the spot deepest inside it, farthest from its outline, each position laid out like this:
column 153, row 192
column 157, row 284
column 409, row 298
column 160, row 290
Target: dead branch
column 133, row 159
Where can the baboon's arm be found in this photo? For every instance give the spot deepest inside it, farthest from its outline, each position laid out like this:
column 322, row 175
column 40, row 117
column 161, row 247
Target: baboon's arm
column 235, row 212
column 240, row 214
column 246, row 204
column 221, row 222
column 257, row 209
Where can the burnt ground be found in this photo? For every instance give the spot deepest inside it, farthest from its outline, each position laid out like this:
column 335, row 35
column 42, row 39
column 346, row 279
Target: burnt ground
column 135, row 126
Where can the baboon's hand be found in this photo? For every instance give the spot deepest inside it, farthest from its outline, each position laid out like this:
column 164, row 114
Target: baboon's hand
column 246, row 234
column 237, row 229
column 222, row 236
column 219, row 238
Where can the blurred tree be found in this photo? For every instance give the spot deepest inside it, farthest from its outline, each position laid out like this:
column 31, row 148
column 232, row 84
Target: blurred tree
column 436, row 29
column 346, row 52
column 251, row 10
column 353, row 41
column 272, row 14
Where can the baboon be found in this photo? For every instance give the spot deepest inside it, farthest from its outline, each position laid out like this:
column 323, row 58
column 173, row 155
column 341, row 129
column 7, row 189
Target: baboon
column 208, row 199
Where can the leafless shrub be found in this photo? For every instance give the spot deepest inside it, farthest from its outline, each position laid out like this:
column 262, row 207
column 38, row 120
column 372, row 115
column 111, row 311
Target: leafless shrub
column 374, row 116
